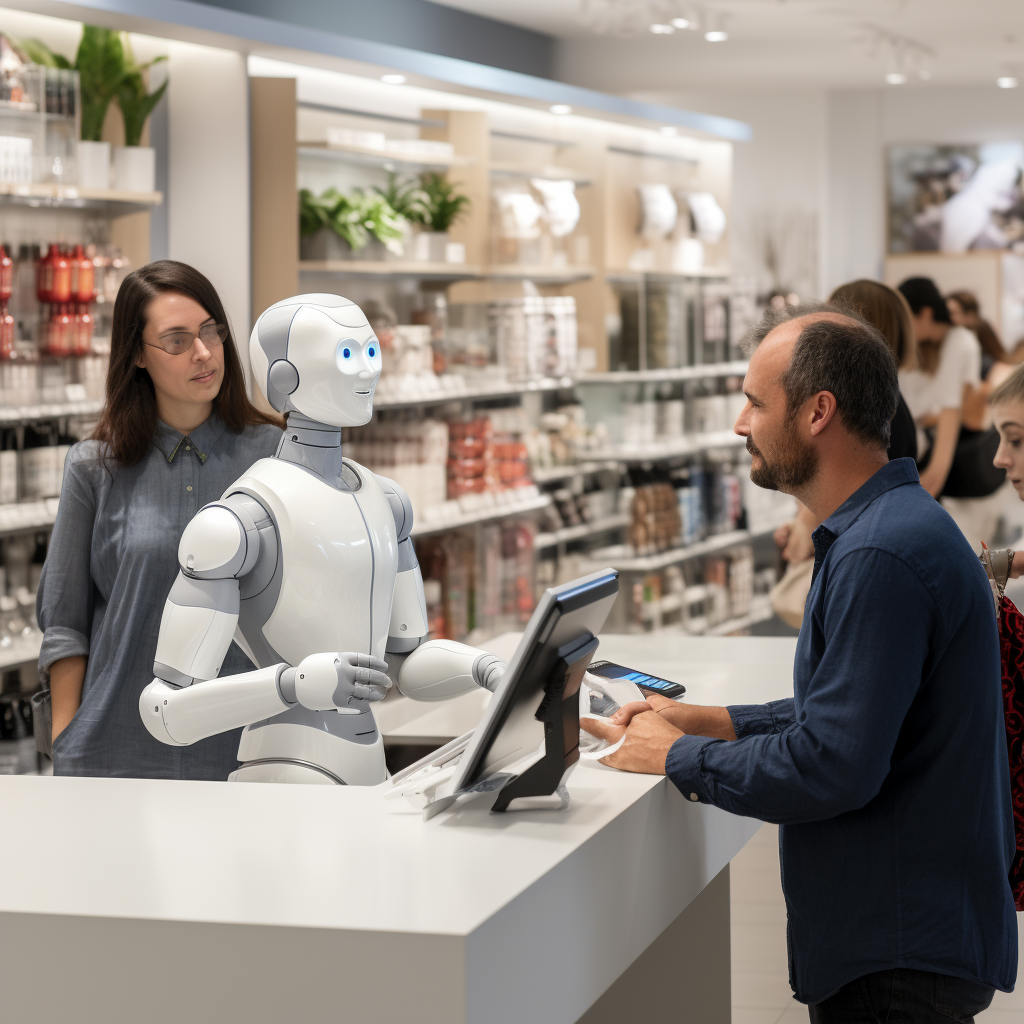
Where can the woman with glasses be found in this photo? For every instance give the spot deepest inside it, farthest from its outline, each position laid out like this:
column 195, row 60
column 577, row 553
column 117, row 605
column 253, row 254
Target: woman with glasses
column 176, row 429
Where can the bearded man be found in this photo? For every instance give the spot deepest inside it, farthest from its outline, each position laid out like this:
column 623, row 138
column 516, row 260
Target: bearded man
column 887, row 770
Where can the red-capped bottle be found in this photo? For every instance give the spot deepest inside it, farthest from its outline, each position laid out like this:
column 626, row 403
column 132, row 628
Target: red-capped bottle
column 61, row 277
column 6, row 276
column 6, row 332
column 44, row 276
column 83, row 277
column 84, row 330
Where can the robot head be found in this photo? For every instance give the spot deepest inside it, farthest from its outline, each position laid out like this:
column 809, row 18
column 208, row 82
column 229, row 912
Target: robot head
column 317, row 354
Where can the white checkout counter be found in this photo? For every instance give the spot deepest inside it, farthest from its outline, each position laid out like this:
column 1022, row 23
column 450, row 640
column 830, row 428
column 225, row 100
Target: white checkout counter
column 145, row 902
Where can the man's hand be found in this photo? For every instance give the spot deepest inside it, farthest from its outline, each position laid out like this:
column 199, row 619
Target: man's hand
column 693, row 719
column 649, row 737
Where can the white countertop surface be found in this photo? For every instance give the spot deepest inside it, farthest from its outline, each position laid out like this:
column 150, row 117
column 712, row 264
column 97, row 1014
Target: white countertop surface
column 313, row 899
column 334, row 857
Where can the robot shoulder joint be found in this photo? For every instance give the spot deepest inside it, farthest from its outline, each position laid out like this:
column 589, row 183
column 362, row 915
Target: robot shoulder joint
column 401, row 506
column 222, row 540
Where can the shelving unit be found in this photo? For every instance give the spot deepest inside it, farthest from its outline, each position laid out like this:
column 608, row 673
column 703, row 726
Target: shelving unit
column 547, row 173
column 14, row 414
column 392, row 268
column 104, row 200
column 385, row 158
column 541, row 275
column 435, row 522
column 22, row 651
column 760, row 611
column 26, row 516
column 681, row 373
column 471, row 394
column 587, row 467
column 659, row 451
column 567, row 534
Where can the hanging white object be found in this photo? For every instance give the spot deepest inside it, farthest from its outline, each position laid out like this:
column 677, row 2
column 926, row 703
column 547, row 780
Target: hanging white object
column 520, row 215
column 560, row 204
column 708, row 216
column 658, row 211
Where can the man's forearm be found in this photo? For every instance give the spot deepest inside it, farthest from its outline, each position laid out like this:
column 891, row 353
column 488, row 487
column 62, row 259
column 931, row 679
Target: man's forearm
column 713, row 722
column 66, row 678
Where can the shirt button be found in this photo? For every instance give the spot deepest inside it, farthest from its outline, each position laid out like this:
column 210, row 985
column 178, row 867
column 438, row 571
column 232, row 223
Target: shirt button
column 693, row 796
column 188, row 448
column 189, row 488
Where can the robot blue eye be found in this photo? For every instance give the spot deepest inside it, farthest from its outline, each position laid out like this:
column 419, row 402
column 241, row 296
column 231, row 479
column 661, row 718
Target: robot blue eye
column 371, row 351
column 347, row 353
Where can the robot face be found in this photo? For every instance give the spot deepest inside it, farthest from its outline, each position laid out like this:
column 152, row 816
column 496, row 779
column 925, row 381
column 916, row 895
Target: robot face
column 332, row 361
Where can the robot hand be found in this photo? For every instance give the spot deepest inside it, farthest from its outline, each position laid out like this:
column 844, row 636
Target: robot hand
column 324, row 682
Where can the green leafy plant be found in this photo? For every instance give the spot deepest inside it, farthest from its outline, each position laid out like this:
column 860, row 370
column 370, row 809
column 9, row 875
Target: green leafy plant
column 106, row 68
column 444, row 204
column 406, row 198
column 353, row 216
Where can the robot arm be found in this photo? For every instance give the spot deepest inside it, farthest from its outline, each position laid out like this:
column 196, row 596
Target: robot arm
column 185, row 702
column 426, row 670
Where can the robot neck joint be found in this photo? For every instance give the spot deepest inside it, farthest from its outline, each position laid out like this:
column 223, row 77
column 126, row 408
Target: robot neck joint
column 302, row 430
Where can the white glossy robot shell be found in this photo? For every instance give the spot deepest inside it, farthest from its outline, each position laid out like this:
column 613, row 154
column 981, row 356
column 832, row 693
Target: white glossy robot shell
column 273, row 371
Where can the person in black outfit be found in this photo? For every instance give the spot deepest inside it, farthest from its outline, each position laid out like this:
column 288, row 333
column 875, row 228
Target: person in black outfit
column 883, row 307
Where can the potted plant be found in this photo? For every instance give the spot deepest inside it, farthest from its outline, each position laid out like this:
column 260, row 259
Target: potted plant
column 409, row 201
column 337, row 225
column 106, row 68
column 444, row 206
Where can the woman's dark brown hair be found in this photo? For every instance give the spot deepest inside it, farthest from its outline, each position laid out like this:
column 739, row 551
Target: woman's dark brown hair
column 885, row 309
column 987, row 337
column 129, row 418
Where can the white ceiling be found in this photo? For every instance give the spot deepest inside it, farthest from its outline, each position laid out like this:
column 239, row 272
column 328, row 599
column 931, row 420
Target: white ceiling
column 781, row 43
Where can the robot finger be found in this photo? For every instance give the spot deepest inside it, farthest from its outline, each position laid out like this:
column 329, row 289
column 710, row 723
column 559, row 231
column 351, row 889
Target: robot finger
column 368, row 692
column 358, row 660
column 372, row 676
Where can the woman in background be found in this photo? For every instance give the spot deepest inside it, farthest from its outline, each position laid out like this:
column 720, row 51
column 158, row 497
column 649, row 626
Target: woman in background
column 176, row 430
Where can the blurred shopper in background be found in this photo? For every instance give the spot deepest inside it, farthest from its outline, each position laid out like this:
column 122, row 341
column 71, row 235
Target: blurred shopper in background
column 965, row 311
column 955, row 457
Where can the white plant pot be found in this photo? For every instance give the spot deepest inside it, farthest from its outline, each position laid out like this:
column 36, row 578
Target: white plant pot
column 93, row 164
column 430, row 246
column 134, row 169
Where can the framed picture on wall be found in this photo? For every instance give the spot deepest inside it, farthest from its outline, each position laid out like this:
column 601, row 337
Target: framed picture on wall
column 956, row 198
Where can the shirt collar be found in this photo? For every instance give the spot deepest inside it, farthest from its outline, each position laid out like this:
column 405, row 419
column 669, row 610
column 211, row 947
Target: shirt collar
column 893, row 474
column 203, row 438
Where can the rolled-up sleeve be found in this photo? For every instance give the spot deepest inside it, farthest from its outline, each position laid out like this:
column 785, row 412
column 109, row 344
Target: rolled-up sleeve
column 65, row 598
column 833, row 754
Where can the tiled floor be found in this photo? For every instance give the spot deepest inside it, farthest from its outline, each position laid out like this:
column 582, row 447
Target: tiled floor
column 760, row 979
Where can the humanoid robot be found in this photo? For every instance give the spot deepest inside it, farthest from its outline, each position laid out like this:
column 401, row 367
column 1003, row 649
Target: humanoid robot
column 308, row 564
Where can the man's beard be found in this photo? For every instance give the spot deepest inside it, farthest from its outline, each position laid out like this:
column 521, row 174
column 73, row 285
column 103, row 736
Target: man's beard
column 790, row 466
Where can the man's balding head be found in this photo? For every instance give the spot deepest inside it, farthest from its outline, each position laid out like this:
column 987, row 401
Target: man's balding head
column 816, row 348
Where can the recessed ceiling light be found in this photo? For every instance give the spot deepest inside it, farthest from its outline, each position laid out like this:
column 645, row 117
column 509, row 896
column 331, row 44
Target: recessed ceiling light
column 393, row 79
column 716, row 36
column 560, row 108
column 681, row 22
column 1006, row 82
column 896, row 78
column 669, row 130
column 662, row 30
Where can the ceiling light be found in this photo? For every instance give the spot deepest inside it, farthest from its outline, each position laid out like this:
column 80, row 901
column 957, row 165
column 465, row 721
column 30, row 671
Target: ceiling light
column 560, row 108
column 661, row 30
column 1006, row 82
column 393, row 79
column 669, row 130
column 681, row 22
column 896, row 78
column 716, row 36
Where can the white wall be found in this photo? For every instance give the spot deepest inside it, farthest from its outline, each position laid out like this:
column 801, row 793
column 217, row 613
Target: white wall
column 208, row 172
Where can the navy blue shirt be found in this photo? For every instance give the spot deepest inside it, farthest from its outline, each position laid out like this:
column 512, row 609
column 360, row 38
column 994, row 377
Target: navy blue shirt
column 888, row 768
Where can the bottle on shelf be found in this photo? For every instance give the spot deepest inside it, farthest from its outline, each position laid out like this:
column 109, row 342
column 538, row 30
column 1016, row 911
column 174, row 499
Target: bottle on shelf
column 6, row 291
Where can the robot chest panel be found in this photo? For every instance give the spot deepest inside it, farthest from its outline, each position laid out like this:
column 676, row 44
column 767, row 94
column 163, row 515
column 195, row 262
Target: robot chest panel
column 340, row 554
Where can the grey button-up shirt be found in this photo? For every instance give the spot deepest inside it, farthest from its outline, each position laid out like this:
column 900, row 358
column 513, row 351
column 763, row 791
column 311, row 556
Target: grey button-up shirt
column 111, row 561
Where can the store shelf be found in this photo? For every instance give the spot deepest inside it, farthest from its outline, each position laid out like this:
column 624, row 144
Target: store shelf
column 626, row 276
column 733, row 369
column 437, row 521
column 49, row 411
column 548, row 173
column 379, row 157
column 554, row 474
column 760, row 611
column 108, row 200
column 620, row 557
column 392, row 268
column 27, row 515
column 658, row 451
column 471, row 394
column 542, row 275
column 20, row 651
column 571, row 533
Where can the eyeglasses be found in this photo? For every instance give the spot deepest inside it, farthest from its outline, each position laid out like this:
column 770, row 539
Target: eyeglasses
column 180, row 342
